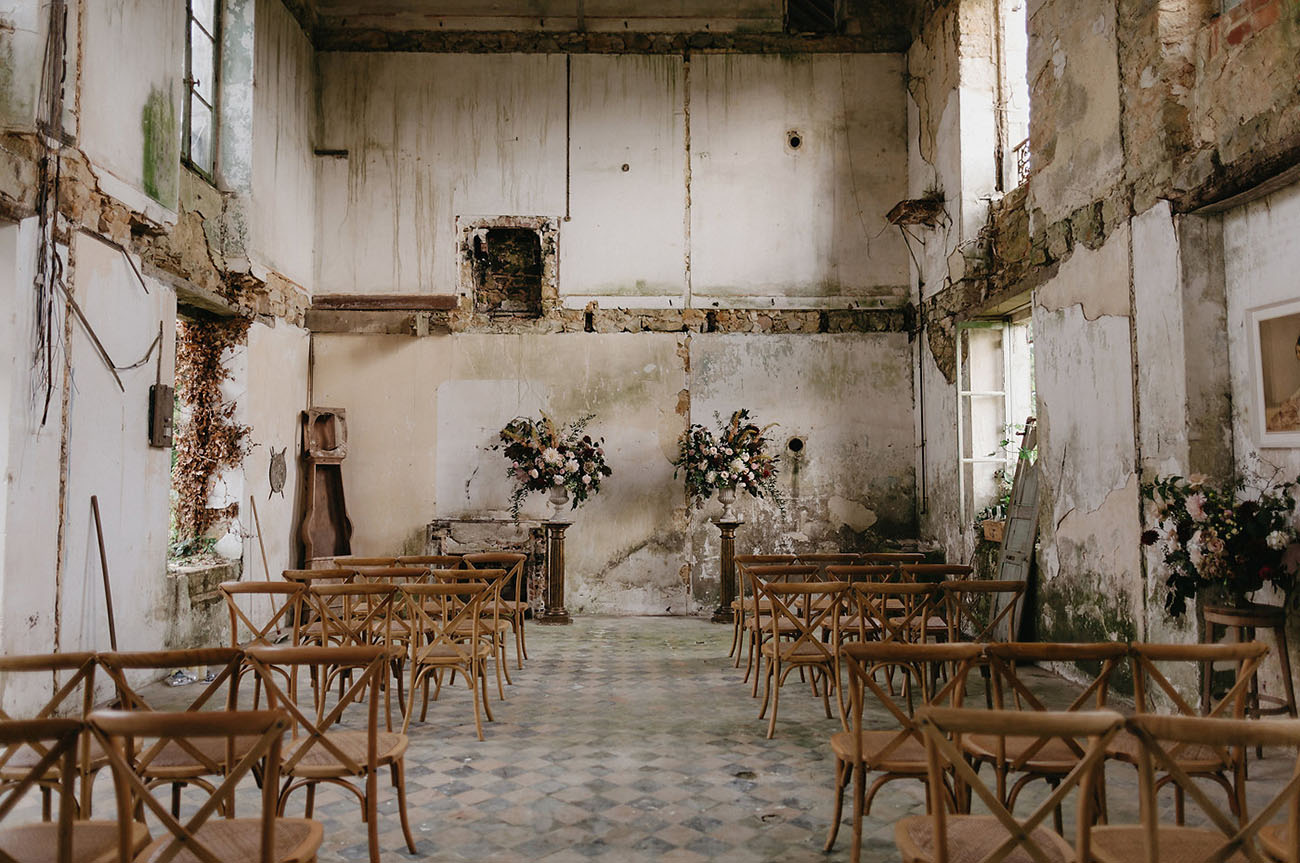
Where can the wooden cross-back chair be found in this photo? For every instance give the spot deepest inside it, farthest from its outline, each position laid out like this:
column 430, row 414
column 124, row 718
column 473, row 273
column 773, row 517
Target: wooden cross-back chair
column 740, row 605
column 1154, row 693
column 179, row 762
column 200, row 836
column 898, row 750
column 65, row 840
column 960, row 837
column 981, row 611
column 320, row 752
column 72, row 697
column 1045, row 757
column 512, row 602
column 491, row 626
column 355, row 614
column 822, row 560
column 759, row 611
column 891, row 558
column 445, row 619
column 801, row 614
column 393, row 574
column 284, row 601
column 895, row 611
column 1226, row 836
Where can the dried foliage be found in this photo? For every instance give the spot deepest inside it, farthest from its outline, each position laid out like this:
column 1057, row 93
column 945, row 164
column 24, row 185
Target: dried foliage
column 210, row 439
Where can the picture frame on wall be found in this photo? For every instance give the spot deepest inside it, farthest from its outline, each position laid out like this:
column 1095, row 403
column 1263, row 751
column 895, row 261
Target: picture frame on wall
column 1274, row 334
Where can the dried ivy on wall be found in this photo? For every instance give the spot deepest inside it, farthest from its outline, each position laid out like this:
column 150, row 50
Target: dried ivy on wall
column 210, row 439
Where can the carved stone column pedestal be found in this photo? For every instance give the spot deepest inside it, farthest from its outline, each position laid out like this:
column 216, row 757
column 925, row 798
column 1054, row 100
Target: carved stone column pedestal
column 727, row 576
column 554, row 612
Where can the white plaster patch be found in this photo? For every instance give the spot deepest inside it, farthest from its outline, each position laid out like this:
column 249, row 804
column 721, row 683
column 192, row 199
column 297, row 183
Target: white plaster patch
column 1095, row 280
column 850, row 513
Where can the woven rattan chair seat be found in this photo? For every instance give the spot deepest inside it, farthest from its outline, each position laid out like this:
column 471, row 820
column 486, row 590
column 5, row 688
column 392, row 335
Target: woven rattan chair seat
column 971, row 838
column 174, row 761
column 907, row 757
column 1192, row 757
column 92, row 841
column 1273, row 839
column 24, row 759
column 296, row 840
column 446, row 654
column 797, row 652
column 320, row 762
column 1053, row 757
column 1127, row 844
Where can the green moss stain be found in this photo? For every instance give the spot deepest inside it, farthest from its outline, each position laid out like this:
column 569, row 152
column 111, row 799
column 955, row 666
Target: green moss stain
column 161, row 147
column 1072, row 612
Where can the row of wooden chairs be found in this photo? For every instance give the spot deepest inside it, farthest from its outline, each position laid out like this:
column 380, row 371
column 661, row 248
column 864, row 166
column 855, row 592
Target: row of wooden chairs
column 801, row 625
column 431, row 630
column 336, row 742
column 258, row 737
column 945, row 837
column 894, row 747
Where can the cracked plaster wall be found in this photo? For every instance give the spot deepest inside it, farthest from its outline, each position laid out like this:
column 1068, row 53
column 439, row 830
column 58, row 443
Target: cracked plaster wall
column 420, row 443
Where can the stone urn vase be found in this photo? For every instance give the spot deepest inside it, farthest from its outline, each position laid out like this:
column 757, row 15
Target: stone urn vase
column 559, row 499
column 727, row 497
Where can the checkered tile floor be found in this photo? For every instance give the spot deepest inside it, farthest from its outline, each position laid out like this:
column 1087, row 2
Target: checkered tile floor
column 631, row 739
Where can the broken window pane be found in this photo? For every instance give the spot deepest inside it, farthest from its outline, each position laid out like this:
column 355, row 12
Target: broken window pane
column 201, row 136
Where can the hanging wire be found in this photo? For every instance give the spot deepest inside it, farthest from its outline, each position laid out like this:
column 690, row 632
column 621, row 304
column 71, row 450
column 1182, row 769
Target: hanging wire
column 49, row 265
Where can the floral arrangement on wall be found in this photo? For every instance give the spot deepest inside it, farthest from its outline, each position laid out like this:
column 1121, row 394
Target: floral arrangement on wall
column 547, row 457
column 735, row 456
column 1230, row 540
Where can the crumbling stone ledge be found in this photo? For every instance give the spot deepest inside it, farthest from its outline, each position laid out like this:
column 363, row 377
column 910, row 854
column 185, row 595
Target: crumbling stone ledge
column 327, row 38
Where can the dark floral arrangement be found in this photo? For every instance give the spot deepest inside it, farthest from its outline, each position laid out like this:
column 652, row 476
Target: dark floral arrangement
column 736, row 455
column 1232, row 539
column 543, row 455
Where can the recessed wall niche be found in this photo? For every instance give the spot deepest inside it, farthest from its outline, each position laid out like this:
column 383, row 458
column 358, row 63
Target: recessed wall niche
column 508, row 264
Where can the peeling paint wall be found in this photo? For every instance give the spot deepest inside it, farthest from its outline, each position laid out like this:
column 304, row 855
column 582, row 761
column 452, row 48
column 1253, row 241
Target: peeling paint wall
column 429, row 138
column 424, row 413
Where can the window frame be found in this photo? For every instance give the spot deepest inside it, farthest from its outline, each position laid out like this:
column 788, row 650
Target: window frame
column 191, row 93
column 965, row 491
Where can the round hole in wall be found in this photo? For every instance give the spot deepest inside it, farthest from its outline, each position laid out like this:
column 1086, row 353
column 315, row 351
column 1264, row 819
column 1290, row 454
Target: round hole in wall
column 626, row 167
column 794, row 139
column 795, row 445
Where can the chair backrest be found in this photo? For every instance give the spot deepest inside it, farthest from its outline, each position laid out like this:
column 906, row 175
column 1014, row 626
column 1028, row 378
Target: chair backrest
column 799, row 611
column 56, row 742
column 283, row 598
column 352, row 561
column 309, row 577
column 353, row 614
column 446, row 614
column 73, row 697
column 1151, row 682
column 935, row 572
column 391, row 574
column 772, row 573
column 371, row 672
column 259, row 733
column 744, row 561
column 1010, row 690
column 229, row 660
column 512, row 586
column 1159, row 740
column 432, row 561
column 943, row 728
column 894, row 611
column 862, row 572
column 822, row 560
column 982, row 610
column 868, row 661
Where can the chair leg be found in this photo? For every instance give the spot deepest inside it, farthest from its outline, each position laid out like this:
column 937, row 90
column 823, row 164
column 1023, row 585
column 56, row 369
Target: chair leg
column 398, row 769
column 859, row 799
column 826, row 688
column 523, row 639
column 497, row 657
column 482, row 676
column 311, row 801
column 842, row 771
column 371, row 807
column 777, row 680
column 473, row 688
column 517, row 624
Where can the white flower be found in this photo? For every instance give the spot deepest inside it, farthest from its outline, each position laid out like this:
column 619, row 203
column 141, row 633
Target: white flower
column 729, row 451
column 724, row 476
column 711, row 476
column 1169, row 535
column 713, row 450
column 533, row 473
column 704, row 465
column 1196, row 506
column 586, row 480
column 559, row 480
column 552, row 456
column 736, row 465
column 1196, row 550
column 572, row 465
column 1278, row 540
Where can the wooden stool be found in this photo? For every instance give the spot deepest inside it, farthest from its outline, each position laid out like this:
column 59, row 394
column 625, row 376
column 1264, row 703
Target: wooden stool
column 1245, row 620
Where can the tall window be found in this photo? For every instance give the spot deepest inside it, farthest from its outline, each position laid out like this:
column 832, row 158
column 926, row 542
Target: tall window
column 199, row 144
column 1012, row 94
column 995, row 394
